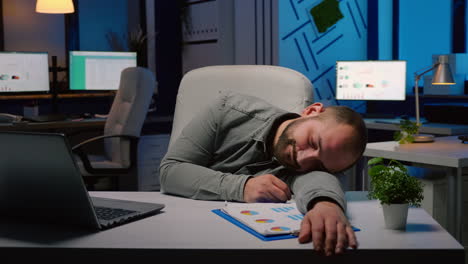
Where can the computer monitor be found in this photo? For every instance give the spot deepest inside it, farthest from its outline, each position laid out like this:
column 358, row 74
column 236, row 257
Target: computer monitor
column 98, row 70
column 24, row 72
column 371, row 80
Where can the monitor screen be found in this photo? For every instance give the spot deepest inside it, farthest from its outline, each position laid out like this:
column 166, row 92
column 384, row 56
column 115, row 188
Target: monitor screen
column 24, row 72
column 98, row 70
column 371, row 80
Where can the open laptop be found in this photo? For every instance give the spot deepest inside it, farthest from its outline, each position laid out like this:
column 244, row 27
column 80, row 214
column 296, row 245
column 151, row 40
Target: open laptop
column 40, row 181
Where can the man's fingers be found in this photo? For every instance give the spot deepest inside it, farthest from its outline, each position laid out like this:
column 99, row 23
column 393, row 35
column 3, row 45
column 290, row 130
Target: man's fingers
column 330, row 237
column 266, row 188
column 330, row 230
column 278, row 194
column 341, row 241
column 282, row 186
column 305, row 234
column 352, row 241
column 317, row 235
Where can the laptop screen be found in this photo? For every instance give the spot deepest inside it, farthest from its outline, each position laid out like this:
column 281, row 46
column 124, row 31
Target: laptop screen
column 49, row 188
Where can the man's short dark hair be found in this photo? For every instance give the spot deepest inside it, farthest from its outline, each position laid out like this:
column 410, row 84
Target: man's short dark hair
column 346, row 115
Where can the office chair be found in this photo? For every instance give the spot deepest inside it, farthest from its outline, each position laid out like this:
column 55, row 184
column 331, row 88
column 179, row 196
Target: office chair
column 121, row 133
column 283, row 87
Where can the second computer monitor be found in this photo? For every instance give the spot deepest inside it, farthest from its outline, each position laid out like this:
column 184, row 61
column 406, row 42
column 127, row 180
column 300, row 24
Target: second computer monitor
column 98, row 70
column 371, row 80
column 24, row 72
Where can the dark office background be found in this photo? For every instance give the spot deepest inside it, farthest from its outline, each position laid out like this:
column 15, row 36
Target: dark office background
column 21, row 29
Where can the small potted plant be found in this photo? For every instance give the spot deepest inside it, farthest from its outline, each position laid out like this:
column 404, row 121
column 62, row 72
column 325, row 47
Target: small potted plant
column 395, row 188
column 407, row 132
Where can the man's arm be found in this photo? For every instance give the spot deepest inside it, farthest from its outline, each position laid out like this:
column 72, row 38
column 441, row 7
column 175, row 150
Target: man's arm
column 313, row 186
column 185, row 168
column 319, row 196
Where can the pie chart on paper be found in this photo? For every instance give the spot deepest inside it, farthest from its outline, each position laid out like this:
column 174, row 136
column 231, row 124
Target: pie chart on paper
column 249, row 212
column 280, row 228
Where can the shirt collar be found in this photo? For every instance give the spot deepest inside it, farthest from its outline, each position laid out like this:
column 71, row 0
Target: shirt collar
column 271, row 125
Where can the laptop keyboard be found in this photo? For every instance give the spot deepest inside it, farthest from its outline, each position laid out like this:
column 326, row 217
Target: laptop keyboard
column 106, row 213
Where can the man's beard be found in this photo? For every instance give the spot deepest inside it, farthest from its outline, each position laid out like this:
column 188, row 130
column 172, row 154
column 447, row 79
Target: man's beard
column 284, row 141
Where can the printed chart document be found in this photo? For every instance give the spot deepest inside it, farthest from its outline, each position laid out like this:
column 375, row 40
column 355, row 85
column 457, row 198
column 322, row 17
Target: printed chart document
column 267, row 221
column 267, row 218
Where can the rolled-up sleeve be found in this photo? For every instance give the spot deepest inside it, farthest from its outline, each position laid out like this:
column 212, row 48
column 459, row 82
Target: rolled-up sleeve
column 316, row 184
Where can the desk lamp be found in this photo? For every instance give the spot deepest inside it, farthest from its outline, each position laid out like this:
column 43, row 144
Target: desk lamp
column 442, row 76
column 55, row 6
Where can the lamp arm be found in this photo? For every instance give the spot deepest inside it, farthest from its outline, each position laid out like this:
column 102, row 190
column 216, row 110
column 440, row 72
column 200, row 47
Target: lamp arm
column 416, row 96
column 417, row 77
column 426, row 70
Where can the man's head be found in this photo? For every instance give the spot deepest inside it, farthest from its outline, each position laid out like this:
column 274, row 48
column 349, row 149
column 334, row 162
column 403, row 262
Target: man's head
column 330, row 139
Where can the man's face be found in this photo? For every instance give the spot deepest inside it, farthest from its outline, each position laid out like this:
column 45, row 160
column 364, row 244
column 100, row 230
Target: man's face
column 308, row 144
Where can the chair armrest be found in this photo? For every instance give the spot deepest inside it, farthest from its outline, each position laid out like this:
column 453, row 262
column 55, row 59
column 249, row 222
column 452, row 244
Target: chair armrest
column 91, row 140
column 78, row 149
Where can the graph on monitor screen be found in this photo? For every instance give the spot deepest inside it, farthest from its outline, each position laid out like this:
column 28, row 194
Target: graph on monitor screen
column 371, row 80
column 98, row 70
column 24, row 72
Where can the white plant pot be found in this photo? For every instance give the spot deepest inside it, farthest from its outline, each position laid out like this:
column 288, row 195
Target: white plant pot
column 395, row 215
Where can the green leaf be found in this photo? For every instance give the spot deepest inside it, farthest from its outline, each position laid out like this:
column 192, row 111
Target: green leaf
column 375, row 161
column 391, row 183
column 377, row 170
column 408, row 129
column 397, row 135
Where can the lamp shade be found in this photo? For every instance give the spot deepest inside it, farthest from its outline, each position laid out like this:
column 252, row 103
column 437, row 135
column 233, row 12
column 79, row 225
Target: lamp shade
column 55, row 6
column 443, row 74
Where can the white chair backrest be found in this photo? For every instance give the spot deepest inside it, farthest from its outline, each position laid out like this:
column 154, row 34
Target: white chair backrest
column 283, row 87
column 128, row 111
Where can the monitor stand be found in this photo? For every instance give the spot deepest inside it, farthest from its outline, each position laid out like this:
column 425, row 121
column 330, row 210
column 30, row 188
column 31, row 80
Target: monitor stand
column 33, row 114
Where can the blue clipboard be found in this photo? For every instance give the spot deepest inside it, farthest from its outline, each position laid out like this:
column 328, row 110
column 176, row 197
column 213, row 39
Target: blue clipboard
column 248, row 229
column 255, row 233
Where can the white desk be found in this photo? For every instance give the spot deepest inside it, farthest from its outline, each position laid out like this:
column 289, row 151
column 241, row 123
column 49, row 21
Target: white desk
column 392, row 124
column 444, row 152
column 187, row 230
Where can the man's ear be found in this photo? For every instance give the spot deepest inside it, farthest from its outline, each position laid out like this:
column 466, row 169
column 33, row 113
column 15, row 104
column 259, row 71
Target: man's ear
column 313, row 109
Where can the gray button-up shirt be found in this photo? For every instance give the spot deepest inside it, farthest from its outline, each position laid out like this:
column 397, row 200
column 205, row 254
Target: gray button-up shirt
column 228, row 143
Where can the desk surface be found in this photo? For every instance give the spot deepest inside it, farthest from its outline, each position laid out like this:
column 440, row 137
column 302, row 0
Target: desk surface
column 444, row 151
column 69, row 123
column 61, row 95
column 187, row 229
column 428, row 128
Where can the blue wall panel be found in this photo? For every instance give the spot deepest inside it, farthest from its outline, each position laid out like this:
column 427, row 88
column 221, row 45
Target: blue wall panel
column 425, row 28
column 303, row 48
column 98, row 18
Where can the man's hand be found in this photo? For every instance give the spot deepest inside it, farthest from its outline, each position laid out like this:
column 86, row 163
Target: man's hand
column 266, row 188
column 326, row 225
